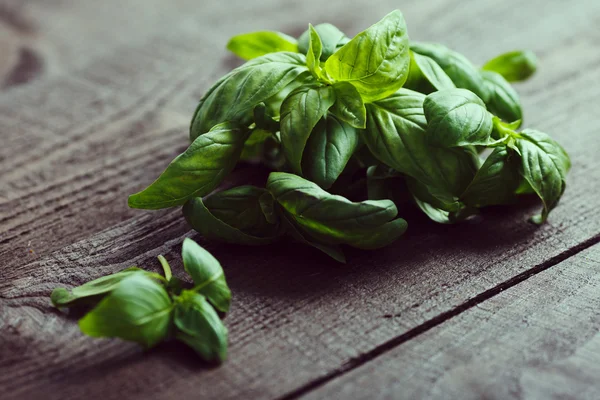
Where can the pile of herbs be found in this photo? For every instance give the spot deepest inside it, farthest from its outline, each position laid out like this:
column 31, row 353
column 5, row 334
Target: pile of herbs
column 376, row 114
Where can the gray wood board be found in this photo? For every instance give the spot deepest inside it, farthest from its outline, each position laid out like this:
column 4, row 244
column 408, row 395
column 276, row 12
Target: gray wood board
column 76, row 144
column 537, row 340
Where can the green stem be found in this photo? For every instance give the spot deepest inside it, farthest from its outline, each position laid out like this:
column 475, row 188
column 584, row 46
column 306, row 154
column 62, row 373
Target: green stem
column 166, row 267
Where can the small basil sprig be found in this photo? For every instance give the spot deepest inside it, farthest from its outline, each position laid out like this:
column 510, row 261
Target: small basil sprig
column 148, row 308
column 343, row 121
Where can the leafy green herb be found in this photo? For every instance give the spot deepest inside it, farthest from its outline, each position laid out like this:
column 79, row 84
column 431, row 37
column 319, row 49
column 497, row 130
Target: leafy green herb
column 349, row 106
column 333, row 219
column 147, row 308
column 300, row 112
column 245, row 87
column 425, row 68
column 207, row 273
column 331, row 38
column 544, row 166
column 256, row 44
column 460, row 70
column 514, row 66
column 376, row 60
column 329, row 148
column 503, row 99
column 199, row 326
column 456, row 117
column 351, row 129
column 196, row 172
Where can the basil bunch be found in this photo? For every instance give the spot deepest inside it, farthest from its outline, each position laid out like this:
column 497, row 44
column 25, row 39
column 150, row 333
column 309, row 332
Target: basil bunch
column 147, row 308
column 335, row 117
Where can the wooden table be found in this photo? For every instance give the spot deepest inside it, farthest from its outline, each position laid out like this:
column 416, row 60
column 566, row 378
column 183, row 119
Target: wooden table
column 95, row 101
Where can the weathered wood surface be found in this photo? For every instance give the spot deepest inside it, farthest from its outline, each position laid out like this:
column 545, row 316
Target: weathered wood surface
column 107, row 115
column 536, row 340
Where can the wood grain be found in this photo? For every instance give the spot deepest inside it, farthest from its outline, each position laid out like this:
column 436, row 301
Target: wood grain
column 78, row 143
column 537, row 340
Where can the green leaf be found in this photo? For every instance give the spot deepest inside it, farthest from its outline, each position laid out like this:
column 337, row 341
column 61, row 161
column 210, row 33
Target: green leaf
column 442, row 216
column 196, row 172
column 384, row 182
column 328, row 150
column 233, row 216
column 349, row 106
column 138, row 309
column 166, row 267
column 395, row 134
column 332, row 219
column 456, row 117
column 432, row 72
column 199, row 326
column 300, row 112
column 207, row 274
column 234, row 96
column 496, row 181
column 376, row 60
column 503, row 100
column 295, row 231
column 92, row 291
column 256, row 44
column 514, row 66
column 256, row 144
column 544, row 165
column 435, row 214
column 263, row 120
column 331, row 38
column 313, row 56
column 462, row 72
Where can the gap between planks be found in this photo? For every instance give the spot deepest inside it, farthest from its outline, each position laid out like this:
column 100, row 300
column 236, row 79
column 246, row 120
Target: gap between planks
column 438, row 320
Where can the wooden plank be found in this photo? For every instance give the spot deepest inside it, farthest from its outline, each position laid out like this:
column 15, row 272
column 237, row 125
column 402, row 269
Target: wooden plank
column 295, row 318
column 537, row 340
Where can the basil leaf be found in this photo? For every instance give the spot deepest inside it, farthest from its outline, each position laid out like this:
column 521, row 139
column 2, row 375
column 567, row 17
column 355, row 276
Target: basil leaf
column 256, row 44
column 91, row 291
column 503, row 100
column 544, row 165
column 295, row 232
column 332, row 219
column 313, row 56
column 199, row 326
column 386, row 183
column 395, row 134
column 496, row 181
column 331, row 38
column 431, row 71
column 234, row 96
column 435, row 214
column 300, row 112
column 462, row 72
column 207, row 274
column 166, row 267
column 442, row 216
column 376, row 60
column 254, row 146
column 138, row 309
column 330, row 146
column 514, row 66
column 456, row 117
column 233, row 216
column 349, row 106
column 263, row 120
column 197, row 171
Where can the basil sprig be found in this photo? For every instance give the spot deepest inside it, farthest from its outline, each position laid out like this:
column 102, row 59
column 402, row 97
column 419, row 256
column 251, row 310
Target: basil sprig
column 148, row 308
column 352, row 129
